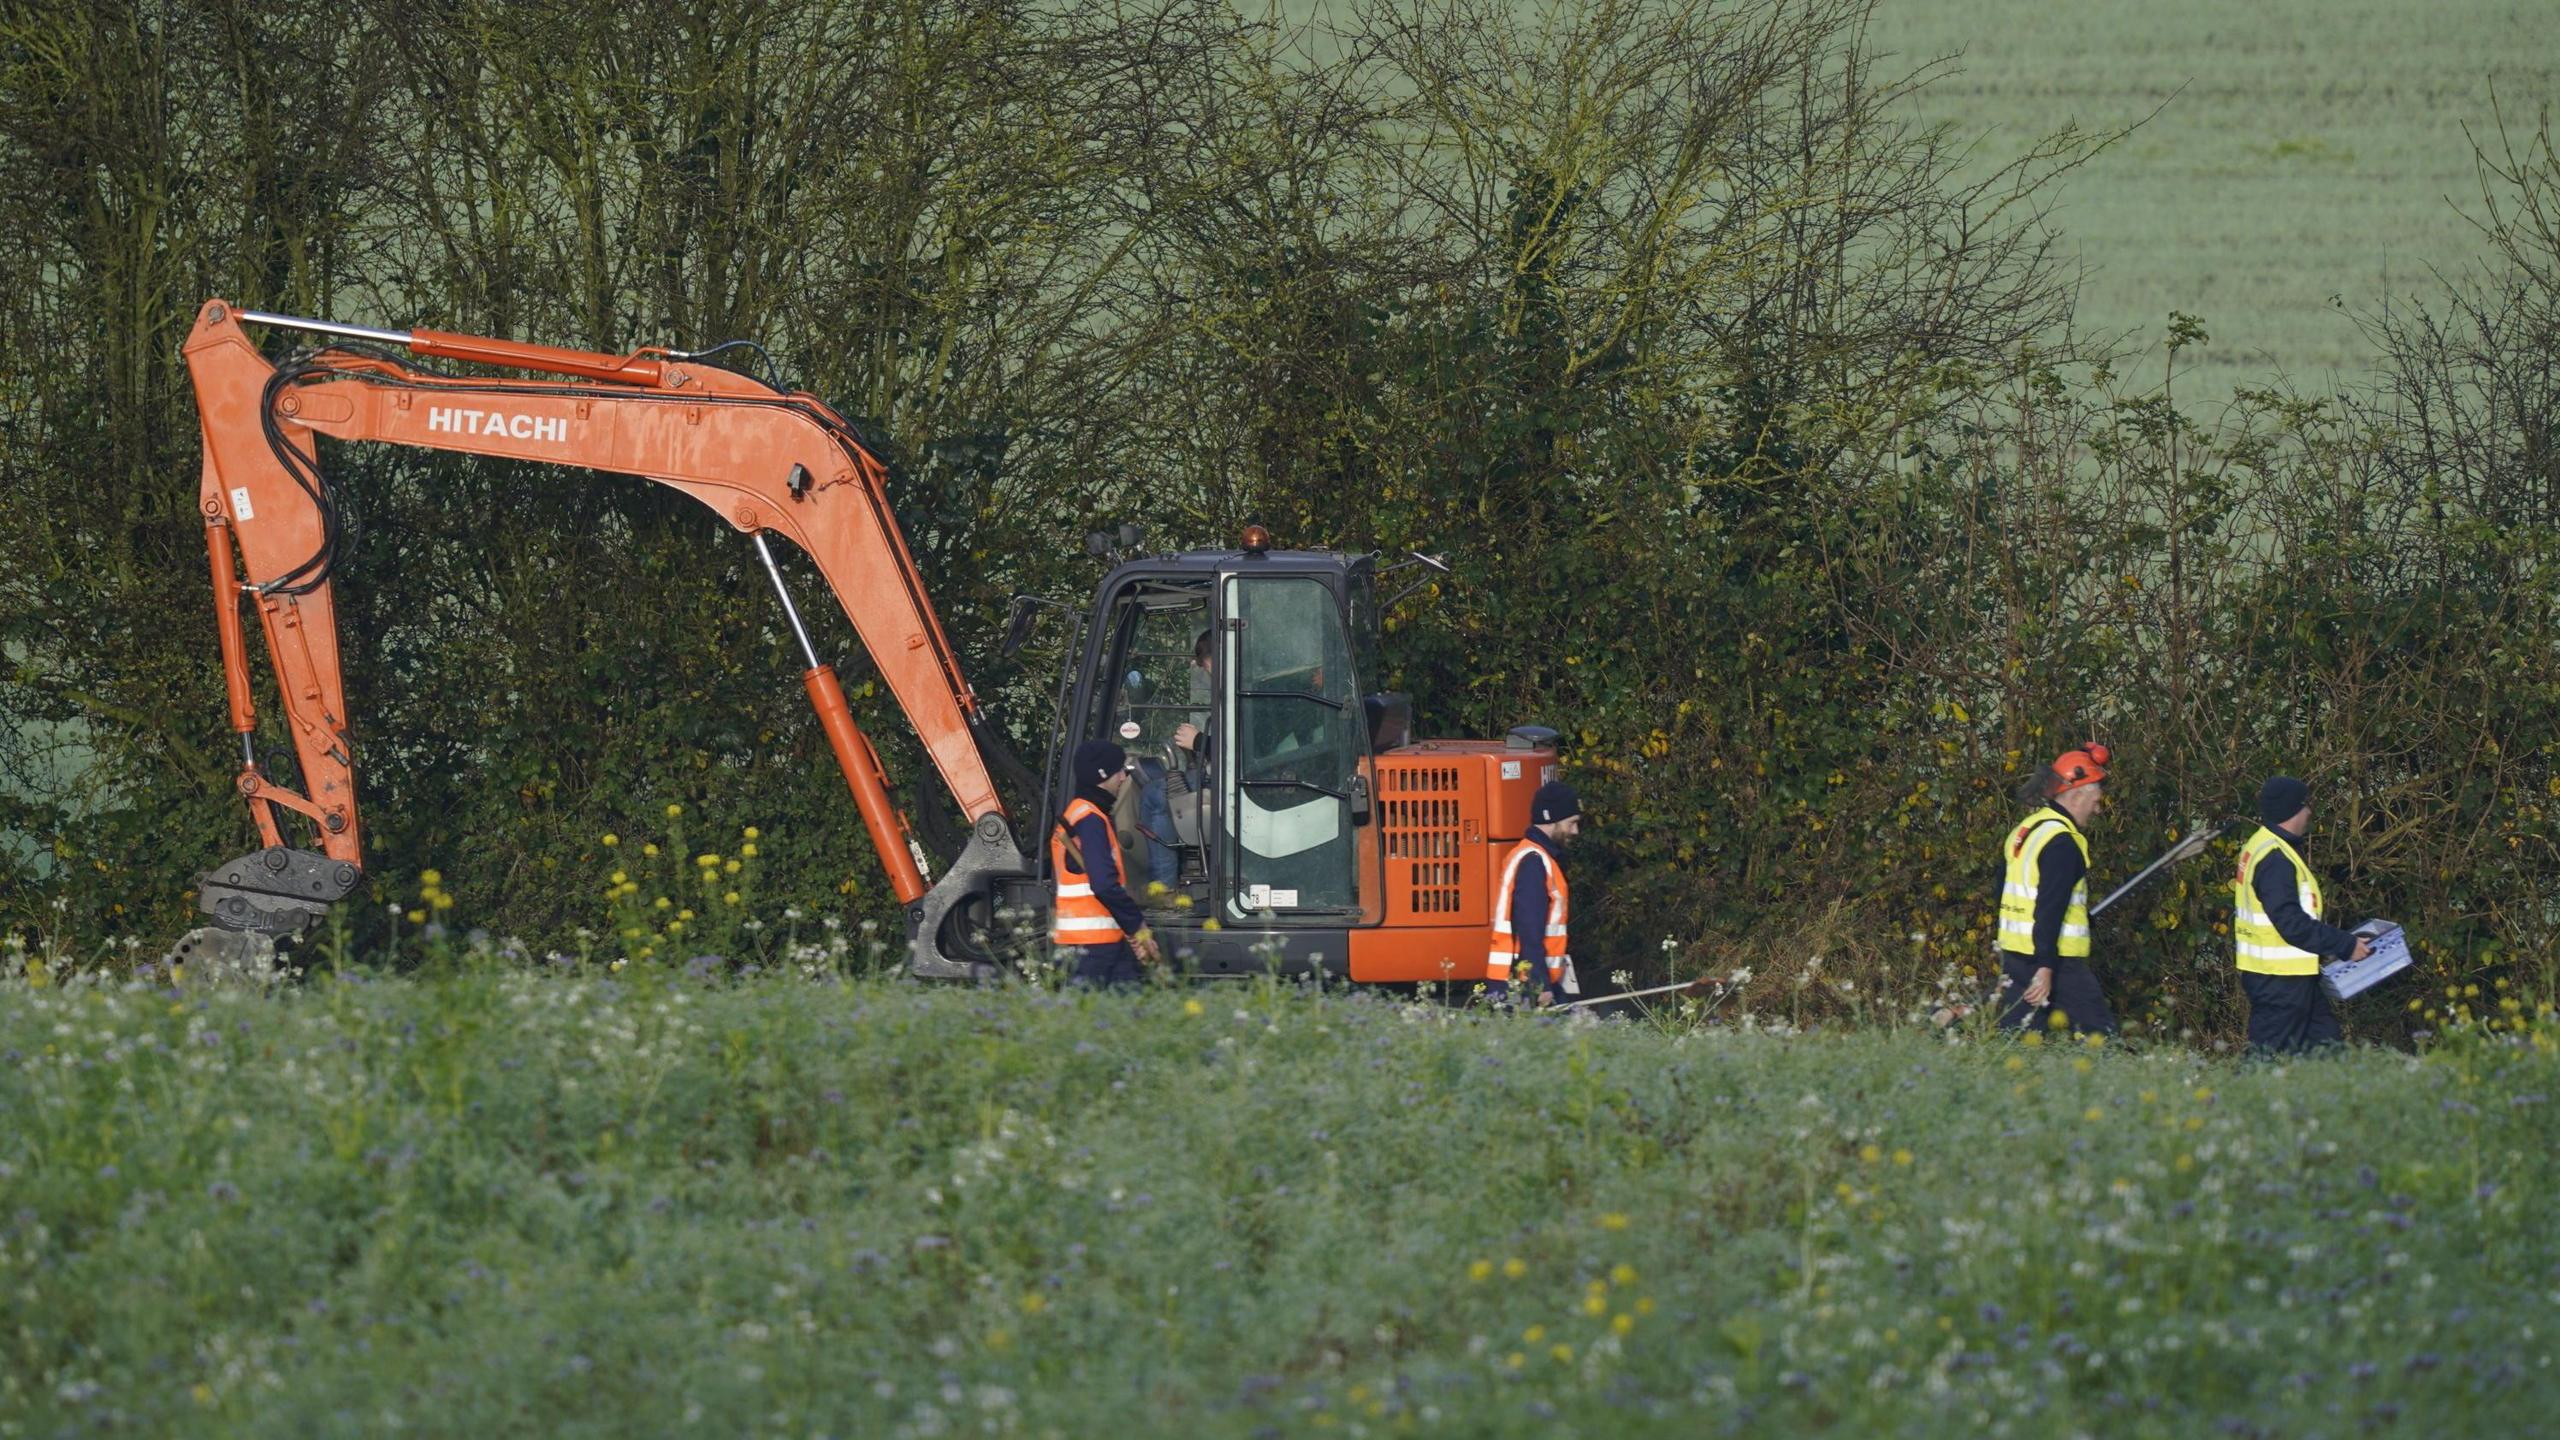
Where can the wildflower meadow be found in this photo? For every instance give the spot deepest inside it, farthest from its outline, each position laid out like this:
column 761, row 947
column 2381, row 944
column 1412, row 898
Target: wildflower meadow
column 495, row 1195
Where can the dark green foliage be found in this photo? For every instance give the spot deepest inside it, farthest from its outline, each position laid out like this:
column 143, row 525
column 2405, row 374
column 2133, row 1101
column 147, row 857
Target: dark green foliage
column 1718, row 385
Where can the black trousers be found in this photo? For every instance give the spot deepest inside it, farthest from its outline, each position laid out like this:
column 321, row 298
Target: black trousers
column 2075, row 996
column 2289, row 1014
column 1108, row 966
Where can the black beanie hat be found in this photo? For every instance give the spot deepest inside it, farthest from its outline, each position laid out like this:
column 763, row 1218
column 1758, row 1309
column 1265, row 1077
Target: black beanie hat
column 1099, row 760
column 2282, row 798
column 1554, row 801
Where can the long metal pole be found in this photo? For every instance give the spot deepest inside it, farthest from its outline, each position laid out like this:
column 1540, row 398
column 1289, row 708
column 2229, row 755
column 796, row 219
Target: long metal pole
column 2204, row 835
column 1634, row 994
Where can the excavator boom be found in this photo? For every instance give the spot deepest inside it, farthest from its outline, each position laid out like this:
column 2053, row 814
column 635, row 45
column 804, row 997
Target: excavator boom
column 767, row 462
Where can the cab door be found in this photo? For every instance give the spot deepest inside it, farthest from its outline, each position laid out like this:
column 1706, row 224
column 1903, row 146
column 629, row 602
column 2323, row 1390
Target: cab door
column 1293, row 764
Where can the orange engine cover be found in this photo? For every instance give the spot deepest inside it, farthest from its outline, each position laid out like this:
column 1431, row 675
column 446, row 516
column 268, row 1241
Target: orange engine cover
column 1446, row 813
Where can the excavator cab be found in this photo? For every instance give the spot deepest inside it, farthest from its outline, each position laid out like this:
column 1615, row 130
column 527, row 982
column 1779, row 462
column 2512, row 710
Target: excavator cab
column 1234, row 679
column 1284, row 819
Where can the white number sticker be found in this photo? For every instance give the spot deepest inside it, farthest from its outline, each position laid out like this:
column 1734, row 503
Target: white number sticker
column 241, row 509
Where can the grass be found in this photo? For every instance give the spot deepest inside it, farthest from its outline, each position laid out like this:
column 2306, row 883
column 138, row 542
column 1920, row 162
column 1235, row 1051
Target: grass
column 2300, row 173
column 500, row 1200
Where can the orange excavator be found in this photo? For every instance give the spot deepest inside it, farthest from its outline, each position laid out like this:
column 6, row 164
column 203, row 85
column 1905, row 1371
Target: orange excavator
column 1286, row 819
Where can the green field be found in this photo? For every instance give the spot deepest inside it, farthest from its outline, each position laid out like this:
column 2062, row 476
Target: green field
column 2300, row 172
column 505, row 1202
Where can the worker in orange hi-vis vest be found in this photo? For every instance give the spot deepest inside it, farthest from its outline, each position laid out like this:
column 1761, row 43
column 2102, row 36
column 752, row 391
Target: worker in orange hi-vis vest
column 1096, row 918
column 1531, row 905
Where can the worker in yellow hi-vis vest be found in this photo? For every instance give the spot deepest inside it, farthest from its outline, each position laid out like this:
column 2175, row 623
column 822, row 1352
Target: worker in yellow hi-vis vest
column 2044, row 899
column 2277, row 929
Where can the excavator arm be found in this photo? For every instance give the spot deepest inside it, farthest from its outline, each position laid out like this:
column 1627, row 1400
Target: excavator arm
column 767, row 462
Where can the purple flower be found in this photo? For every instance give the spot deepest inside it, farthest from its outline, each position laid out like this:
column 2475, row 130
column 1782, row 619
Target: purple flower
column 222, row 1192
column 704, row 967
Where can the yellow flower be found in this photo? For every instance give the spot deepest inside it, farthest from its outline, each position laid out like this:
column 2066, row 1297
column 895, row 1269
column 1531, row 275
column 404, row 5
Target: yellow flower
column 1034, row 1303
column 2016, row 1063
column 747, row 850
column 999, row 1339
column 752, row 833
column 706, row 861
column 1211, row 924
column 2093, row 1114
column 1644, row 1304
column 1181, row 902
column 2186, row 1163
column 675, row 927
column 441, row 901
column 619, row 877
column 684, row 914
column 2094, row 1040
column 1192, row 1007
column 1614, row 1220
column 1901, row 1157
column 1594, row 1305
column 1514, row 1268
column 731, row 867
column 2204, row 1096
column 1533, row 1334
column 1480, row 1271
column 729, row 899
column 664, row 903
column 1157, row 887
column 1563, row 1353
column 1622, row 1274
column 417, row 917
column 610, row 839
column 203, row 1393
column 674, row 810
column 2057, row 1020
column 1514, row 1360
column 1622, row 1324
column 1870, row 1153
column 2080, row 1066
column 649, row 849
column 431, row 877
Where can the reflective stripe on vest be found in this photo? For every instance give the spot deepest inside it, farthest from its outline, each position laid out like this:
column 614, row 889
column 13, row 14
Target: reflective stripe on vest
column 1080, row 919
column 2261, row 946
column 2020, row 854
column 1505, row 949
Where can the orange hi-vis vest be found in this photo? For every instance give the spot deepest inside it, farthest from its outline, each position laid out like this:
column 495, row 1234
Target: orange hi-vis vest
column 1080, row 919
column 1506, row 946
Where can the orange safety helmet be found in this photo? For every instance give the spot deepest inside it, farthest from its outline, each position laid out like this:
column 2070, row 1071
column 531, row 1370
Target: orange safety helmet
column 2084, row 766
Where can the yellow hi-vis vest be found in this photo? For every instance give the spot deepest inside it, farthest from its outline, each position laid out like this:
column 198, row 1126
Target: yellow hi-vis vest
column 1081, row 919
column 2020, row 853
column 1505, row 949
column 2262, row 950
